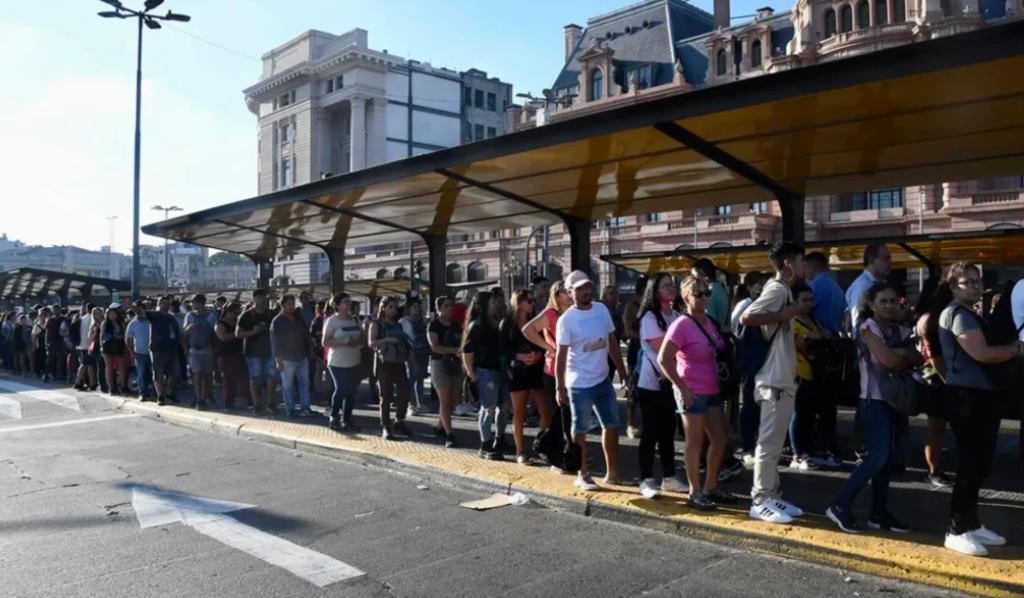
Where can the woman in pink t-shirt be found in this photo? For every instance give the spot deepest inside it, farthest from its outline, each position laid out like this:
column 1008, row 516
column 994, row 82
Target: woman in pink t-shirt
column 688, row 358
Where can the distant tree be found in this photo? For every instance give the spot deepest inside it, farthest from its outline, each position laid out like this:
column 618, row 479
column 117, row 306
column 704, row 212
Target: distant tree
column 226, row 258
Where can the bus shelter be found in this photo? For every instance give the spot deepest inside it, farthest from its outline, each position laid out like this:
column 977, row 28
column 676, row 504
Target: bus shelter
column 30, row 285
column 941, row 110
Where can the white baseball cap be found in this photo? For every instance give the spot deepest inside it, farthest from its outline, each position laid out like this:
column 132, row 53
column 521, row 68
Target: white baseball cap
column 576, row 279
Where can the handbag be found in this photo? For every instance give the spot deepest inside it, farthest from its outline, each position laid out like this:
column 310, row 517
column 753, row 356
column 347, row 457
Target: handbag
column 632, row 393
column 728, row 375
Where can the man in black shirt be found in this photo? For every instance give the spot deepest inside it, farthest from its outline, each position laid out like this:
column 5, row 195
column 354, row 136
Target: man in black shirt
column 56, row 348
column 254, row 330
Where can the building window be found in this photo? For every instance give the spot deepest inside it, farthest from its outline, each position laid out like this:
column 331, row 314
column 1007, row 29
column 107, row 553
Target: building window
column 476, row 272
column 881, row 12
column 286, row 173
column 478, row 132
column 616, row 222
column 383, row 274
column 339, row 82
column 492, row 102
column 723, row 210
column 877, row 200
column 899, row 11
column 721, row 63
column 846, row 16
column 467, row 96
column 654, row 217
column 641, row 73
column 401, row 274
column 492, row 132
column 830, row 21
column 863, row 15
column 755, row 54
column 330, row 86
column 596, row 85
column 760, row 207
column 286, row 132
column 453, row 273
column 286, row 99
column 478, row 98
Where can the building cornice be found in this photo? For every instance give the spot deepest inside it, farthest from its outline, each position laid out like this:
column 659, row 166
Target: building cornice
column 350, row 53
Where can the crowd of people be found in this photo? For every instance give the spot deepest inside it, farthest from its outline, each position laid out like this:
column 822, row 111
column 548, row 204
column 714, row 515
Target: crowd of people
column 774, row 366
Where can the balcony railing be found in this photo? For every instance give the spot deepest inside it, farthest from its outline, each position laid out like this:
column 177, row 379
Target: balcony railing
column 723, row 221
column 861, row 34
column 995, row 197
column 866, row 215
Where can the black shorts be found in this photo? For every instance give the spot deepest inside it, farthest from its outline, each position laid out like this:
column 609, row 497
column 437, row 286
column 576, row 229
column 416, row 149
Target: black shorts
column 85, row 359
column 936, row 401
column 521, row 379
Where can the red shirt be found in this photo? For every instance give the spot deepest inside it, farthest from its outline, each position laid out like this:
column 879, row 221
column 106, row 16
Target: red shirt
column 459, row 313
column 549, row 336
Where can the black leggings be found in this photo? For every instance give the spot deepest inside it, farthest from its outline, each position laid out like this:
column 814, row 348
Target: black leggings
column 658, row 409
column 975, row 422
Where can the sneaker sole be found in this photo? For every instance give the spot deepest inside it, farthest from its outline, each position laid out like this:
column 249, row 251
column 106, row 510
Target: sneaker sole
column 966, row 553
column 876, row 527
column 835, row 520
column 755, row 516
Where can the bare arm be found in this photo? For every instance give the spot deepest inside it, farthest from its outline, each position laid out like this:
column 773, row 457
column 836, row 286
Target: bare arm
column 534, row 332
column 561, row 358
column 616, row 353
column 666, row 359
column 765, row 318
column 223, row 334
column 374, row 344
column 974, row 344
column 894, row 359
column 467, row 362
column 437, row 347
column 630, row 322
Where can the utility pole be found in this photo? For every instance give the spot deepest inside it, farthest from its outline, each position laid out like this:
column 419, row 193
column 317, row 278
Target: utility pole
column 167, row 271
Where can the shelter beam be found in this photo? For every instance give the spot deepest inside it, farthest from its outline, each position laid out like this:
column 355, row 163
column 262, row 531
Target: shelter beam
column 579, row 243
column 337, row 259
column 437, row 258
column 264, row 272
column 792, row 219
column 933, row 269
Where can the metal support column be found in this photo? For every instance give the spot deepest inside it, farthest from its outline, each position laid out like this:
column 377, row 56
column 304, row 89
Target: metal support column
column 336, row 257
column 793, row 227
column 579, row 244
column 264, row 273
column 437, row 258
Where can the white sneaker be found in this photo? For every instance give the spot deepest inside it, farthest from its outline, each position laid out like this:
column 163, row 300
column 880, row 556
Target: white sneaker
column 674, row 484
column 769, row 511
column 987, row 537
column 748, row 460
column 788, row 508
column 461, row 409
column 585, row 482
column 412, row 412
column 633, row 432
column 803, row 463
column 649, row 488
column 965, row 544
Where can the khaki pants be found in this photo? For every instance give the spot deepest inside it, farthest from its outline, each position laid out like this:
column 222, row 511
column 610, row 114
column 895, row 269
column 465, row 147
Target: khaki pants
column 776, row 411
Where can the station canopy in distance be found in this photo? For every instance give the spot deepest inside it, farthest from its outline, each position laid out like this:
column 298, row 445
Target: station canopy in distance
column 936, row 111
column 36, row 283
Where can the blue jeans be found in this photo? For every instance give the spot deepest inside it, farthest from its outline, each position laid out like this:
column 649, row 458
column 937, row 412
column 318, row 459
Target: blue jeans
column 750, row 416
column 880, row 438
column 295, row 370
column 144, row 375
column 493, row 392
column 101, row 368
column 417, row 392
column 346, row 381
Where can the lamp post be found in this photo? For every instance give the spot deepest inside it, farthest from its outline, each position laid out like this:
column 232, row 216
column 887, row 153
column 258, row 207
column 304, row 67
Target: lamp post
column 167, row 271
column 152, row 21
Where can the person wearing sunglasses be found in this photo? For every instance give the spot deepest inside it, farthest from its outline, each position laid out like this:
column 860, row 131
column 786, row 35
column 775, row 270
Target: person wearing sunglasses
column 525, row 366
column 689, row 359
column 971, row 398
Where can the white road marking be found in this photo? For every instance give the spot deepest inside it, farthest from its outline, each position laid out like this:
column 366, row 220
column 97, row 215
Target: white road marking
column 10, row 408
column 50, row 396
column 73, row 422
column 208, row 516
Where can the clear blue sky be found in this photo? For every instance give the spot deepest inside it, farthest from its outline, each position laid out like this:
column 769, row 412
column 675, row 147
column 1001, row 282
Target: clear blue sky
column 69, row 76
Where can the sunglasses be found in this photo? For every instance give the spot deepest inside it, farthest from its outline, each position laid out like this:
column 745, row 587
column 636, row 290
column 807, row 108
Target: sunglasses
column 528, row 300
column 701, row 294
column 975, row 283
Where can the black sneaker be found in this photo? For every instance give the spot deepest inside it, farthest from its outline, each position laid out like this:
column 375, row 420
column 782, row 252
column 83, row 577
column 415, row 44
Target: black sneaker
column 720, row 497
column 387, row 434
column 201, row 406
column 259, row 411
column 940, row 480
column 335, row 423
column 161, row 401
column 439, row 432
column 500, row 447
column 888, row 523
column 701, row 502
column 294, row 413
column 843, row 519
column 449, row 441
column 173, row 398
column 273, row 408
column 306, row 413
column 401, row 428
column 350, row 427
column 486, row 448
column 730, row 469
column 193, row 403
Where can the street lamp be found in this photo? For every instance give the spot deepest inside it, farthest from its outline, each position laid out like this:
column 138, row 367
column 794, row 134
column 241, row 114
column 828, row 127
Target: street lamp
column 167, row 272
column 152, row 21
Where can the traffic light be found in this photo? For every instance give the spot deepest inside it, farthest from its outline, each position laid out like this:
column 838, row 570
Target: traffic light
column 417, row 270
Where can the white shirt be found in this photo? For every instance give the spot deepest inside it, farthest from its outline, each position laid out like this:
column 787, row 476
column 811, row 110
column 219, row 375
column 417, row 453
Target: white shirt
column 1017, row 304
column 737, row 312
column 650, row 370
column 779, row 369
column 585, row 333
column 85, row 325
column 337, row 329
column 853, row 295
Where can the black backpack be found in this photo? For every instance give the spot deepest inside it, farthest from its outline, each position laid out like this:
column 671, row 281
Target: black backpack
column 999, row 330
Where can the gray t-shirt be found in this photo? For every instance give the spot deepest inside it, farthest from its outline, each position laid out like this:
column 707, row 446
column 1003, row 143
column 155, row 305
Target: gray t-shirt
column 961, row 369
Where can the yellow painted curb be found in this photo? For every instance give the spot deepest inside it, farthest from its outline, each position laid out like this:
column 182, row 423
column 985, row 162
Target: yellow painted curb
column 914, row 557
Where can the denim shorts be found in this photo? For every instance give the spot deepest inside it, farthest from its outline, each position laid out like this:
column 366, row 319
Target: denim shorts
column 261, row 369
column 701, row 403
column 600, row 398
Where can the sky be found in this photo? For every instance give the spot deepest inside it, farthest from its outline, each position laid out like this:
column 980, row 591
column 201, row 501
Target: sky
column 66, row 160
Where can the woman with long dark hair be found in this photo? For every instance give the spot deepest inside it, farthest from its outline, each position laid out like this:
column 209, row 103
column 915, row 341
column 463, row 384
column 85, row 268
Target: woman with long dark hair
column 972, row 398
column 391, row 346
column 934, row 298
column 654, row 389
column 525, row 366
column 883, row 347
column 445, row 338
column 112, row 346
column 481, row 356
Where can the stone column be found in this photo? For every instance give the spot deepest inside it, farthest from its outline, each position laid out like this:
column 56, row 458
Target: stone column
column 358, row 138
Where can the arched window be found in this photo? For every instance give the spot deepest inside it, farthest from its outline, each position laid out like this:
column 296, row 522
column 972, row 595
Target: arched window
column 476, row 272
column 722, row 63
column 383, row 273
column 899, row 11
column 453, row 273
column 881, row 12
column 755, row 53
column 596, row 85
column 863, row 14
column 846, row 18
column 401, row 274
column 830, row 23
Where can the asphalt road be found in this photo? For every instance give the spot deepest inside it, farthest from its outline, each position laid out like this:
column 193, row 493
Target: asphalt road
column 68, row 528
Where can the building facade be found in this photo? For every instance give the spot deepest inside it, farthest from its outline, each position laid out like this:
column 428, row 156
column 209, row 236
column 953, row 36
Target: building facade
column 66, row 258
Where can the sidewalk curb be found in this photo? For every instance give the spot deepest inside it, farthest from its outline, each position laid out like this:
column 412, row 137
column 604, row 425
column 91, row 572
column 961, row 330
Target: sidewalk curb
column 722, row 536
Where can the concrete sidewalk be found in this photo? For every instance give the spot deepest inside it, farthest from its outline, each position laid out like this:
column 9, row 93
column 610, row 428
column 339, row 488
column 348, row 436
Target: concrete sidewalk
column 917, row 557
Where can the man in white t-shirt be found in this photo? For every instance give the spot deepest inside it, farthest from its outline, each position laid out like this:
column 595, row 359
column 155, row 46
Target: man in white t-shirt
column 776, row 381
column 1017, row 305
column 586, row 338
